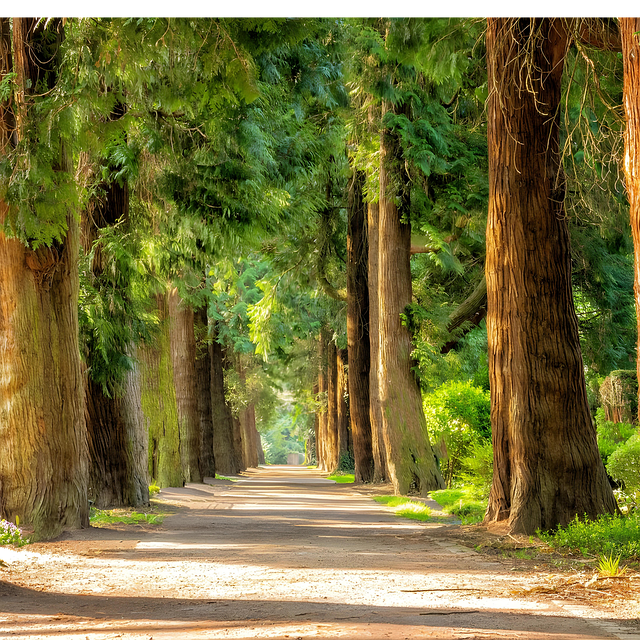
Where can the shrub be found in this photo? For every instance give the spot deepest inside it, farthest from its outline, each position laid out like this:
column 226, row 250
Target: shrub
column 458, row 417
column 623, row 466
column 478, row 465
column 611, row 435
column 609, row 535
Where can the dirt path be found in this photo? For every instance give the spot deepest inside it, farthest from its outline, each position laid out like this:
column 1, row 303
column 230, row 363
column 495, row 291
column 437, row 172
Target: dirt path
column 282, row 553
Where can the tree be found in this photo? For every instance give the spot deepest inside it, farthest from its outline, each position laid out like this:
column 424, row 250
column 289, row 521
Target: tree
column 43, row 464
column 547, row 468
column 629, row 28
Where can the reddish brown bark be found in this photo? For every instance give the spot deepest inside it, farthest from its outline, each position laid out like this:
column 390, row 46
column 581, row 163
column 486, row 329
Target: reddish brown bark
column 547, row 468
column 629, row 27
column 344, row 442
column 375, row 408
column 321, row 441
column 331, row 436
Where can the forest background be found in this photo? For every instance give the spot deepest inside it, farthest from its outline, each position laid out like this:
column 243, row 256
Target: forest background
column 228, row 240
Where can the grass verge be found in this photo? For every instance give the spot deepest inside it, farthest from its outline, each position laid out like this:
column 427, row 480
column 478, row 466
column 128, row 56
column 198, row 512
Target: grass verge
column 406, row 508
column 103, row 518
column 612, row 536
column 462, row 503
column 342, row 478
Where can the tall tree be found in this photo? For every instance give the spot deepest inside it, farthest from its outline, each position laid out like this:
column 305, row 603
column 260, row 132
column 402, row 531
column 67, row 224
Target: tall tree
column 547, row 468
column 43, row 464
column 629, row 28
column 410, row 460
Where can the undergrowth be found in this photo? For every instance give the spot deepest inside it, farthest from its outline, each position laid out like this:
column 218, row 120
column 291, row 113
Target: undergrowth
column 11, row 534
column 342, row 478
column 613, row 536
column 406, row 508
column 462, row 502
column 98, row 517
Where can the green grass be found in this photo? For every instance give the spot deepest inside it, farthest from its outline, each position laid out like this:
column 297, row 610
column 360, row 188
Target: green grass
column 342, row 478
column 462, row 503
column 406, row 508
column 219, row 477
column 615, row 536
column 99, row 518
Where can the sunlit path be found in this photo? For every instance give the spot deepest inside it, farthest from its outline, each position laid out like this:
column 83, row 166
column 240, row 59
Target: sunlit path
column 280, row 553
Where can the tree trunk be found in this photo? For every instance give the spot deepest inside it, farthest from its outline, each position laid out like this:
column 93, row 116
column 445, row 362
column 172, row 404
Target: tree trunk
column 118, row 440
column 321, row 441
column 547, row 468
column 358, row 331
column 118, row 446
column 331, row 440
column 44, row 456
column 237, row 436
column 159, row 405
column 203, row 385
column 227, row 462
column 631, row 59
column 411, row 463
column 183, row 358
column 344, row 444
column 378, row 447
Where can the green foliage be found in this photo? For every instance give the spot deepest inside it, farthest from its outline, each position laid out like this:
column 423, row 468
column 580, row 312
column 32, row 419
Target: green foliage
column 100, row 518
column 342, row 478
column 611, row 435
column 347, row 463
column 11, row 534
column 609, row 567
column 462, row 502
column 623, row 466
column 406, row 508
column 457, row 415
column 478, row 465
column 609, row 535
column 153, row 489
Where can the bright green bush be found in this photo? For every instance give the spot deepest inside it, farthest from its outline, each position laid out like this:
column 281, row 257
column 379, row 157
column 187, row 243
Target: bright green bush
column 478, row 469
column 611, row 435
column 462, row 503
column 458, row 417
column 623, row 466
column 608, row 535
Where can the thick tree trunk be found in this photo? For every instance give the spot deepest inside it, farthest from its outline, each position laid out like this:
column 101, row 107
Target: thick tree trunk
column 118, row 440
column 237, row 435
column 183, row 358
column 344, row 444
column 378, row 447
column 203, row 384
column 227, row 462
column 159, row 405
column 547, row 468
column 411, row 463
column 358, row 331
column 631, row 58
column 44, row 456
column 44, row 459
column 118, row 446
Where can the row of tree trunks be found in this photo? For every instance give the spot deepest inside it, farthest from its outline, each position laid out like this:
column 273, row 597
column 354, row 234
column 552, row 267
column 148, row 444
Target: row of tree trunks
column 203, row 368
column 547, row 468
column 44, row 456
